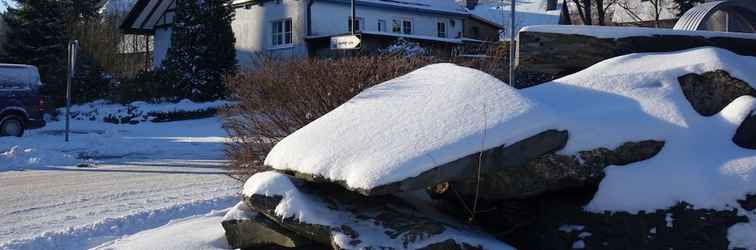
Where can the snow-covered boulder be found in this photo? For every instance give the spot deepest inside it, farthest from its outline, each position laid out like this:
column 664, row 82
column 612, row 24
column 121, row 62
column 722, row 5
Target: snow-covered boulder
column 411, row 127
column 345, row 220
column 441, row 113
column 550, row 172
column 554, row 51
column 745, row 136
column 247, row 229
column 711, row 92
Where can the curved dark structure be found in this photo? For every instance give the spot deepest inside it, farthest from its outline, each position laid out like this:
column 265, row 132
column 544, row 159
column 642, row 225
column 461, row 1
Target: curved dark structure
column 727, row 16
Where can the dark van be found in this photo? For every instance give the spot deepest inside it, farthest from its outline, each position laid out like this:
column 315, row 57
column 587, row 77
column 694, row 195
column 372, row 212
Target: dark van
column 21, row 106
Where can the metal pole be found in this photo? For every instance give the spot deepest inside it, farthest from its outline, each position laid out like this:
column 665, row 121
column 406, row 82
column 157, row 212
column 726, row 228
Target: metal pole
column 354, row 17
column 512, row 51
column 73, row 47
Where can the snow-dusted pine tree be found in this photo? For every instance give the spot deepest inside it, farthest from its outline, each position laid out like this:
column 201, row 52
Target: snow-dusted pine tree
column 36, row 36
column 202, row 49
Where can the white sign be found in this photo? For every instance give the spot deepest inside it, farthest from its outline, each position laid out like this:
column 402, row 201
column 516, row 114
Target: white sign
column 345, row 42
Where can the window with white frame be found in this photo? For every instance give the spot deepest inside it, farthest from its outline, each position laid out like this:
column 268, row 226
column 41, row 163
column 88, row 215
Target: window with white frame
column 407, row 26
column 441, row 27
column 402, row 25
column 396, row 26
column 360, row 24
column 382, row 25
column 281, row 33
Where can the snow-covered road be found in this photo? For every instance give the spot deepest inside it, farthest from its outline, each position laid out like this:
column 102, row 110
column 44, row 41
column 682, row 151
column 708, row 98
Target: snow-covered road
column 176, row 172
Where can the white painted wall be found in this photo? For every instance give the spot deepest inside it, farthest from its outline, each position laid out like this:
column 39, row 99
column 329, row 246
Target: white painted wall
column 332, row 18
column 162, row 43
column 253, row 28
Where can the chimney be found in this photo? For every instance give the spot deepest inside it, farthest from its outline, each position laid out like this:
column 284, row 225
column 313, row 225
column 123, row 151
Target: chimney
column 551, row 5
column 471, row 4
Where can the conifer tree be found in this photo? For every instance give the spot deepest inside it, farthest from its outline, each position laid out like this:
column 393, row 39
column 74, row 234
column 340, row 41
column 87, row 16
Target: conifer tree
column 202, row 49
column 36, row 36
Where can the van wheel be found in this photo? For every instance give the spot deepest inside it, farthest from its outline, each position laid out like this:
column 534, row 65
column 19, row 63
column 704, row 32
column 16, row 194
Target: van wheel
column 12, row 126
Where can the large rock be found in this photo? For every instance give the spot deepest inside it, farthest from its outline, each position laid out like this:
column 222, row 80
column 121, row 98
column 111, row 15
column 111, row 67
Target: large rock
column 558, row 221
column 553, row 55
column 749, row 203
column 551, row 172
column 496, row 159
column 745, row 136
column 247, row 229
column 332, row 216
column 711, row 92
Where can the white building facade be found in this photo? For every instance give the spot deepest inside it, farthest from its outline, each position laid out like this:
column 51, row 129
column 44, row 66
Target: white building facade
column 304, row 27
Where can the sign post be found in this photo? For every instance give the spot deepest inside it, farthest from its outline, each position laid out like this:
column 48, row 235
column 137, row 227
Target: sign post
column 73, row 50
column 512, row 51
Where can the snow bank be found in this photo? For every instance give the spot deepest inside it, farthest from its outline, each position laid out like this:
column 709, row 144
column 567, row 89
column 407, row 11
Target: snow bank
column 440, row 113
column 202, row 232
column 409, row 125
column 622, row 32
column 239, row 212
column 311, row 209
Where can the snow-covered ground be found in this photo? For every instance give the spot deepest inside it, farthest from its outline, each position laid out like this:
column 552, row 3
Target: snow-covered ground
column 139, row 177
column 201, row 232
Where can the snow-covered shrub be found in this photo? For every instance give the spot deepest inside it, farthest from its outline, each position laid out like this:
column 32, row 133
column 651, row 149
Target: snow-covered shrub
column 137, row 112
column 402, row 47
column 281, row 96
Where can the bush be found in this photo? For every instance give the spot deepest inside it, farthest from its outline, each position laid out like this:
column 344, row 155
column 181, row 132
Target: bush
column 282, row 96
column 490, row 58
column 148, row 86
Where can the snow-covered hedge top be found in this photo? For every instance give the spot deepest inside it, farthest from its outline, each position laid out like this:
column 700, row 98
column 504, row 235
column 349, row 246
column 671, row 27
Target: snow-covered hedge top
column 622, row 32
column 102, row 108
column 401, row 128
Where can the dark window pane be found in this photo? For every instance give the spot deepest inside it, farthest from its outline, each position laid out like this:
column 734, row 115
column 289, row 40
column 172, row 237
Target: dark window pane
column 407, row 27
column 396, row 27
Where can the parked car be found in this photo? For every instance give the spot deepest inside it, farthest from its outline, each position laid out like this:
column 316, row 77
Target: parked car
column 21, row 106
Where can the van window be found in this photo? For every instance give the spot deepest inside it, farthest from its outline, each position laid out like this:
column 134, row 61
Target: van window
column 18, row 78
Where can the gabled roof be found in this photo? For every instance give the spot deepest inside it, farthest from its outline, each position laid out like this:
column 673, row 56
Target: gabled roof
column 145, row 15
column 448, row 7
column 529, row 12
